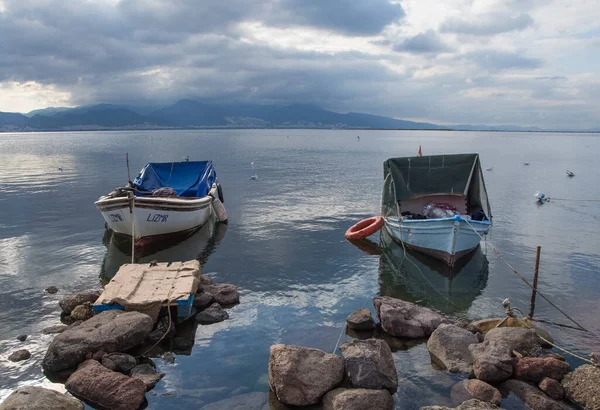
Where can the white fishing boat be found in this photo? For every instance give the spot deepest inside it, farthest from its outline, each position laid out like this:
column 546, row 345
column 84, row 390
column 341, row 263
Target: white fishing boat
column 436, row 205
column 164, row 200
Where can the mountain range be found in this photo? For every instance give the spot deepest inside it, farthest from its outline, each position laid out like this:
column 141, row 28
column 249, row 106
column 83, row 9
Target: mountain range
column 195, row 114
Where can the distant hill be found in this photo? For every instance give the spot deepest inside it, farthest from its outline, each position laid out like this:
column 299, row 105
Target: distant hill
column 194, row 114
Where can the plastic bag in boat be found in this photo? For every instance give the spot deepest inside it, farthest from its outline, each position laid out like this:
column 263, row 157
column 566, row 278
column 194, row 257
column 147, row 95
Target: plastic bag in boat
column 438, row 211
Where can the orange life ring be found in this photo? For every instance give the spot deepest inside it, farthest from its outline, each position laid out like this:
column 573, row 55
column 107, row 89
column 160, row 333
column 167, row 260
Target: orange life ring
column 364, row 228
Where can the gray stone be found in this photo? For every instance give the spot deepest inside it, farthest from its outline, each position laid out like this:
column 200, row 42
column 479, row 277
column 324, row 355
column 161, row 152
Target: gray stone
column 581, row 386
column 492, row 361
column 213, row 314
column 169, row 357
column 33, row 398
column 224, row 294
column 54, row 329
column 405, row 319
column 69, row 302
column 51, row 289
column 22, row 338
column 552, row 388
column 104, row 388
column 109, row 331
column 523, row 340
column 148, row 374
column 534, row 369
column 205, row 280
column 370, row 364
column 475, row 389
column 358, row 399
column 361, row 320
column 119, row 362
column 19, row 355
column 82, row 312
column 472, row 404
column 202, row 300
column 532, row 396
column 449, row 348
column 300, row 376
column 470, row 326
column 248, row 401
column 181, row 343
column 160, row 331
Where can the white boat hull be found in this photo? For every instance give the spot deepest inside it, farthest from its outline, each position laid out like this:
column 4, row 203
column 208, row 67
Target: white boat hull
column 154, row 217
column 446, row 239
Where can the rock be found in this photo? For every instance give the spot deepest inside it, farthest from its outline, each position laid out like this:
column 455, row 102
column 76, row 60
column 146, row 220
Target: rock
column 492, row 361
column 448, row 347
column 205, row 280
column 405, row 319
column 69, row 302
column 98, row 355
column 161, row 328
column 169, row 357
column 82, row 312
column 470, row 326
column 19, row 355
column 532, row 396
column 361, row 320
column 213, row 314
column 51, row 289
column 224, row 294
column 181, row 343
column 202, row 300
column 22, row 338
column 370, row 364
column 581, row 386
column 523, row 340
column 110, row 331
column 556, row 356
column 300, row 376
column 534, row 369
column 358, row 399
column 54, row 329
column 30, row 398
column 552, row 388
column 248, row 401
column 475, row 389
column 472, row 404
column 101, row 387
column 119, row 362
column 148, row 374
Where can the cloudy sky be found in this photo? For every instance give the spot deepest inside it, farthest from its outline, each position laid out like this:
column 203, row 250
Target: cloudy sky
column 524, row 62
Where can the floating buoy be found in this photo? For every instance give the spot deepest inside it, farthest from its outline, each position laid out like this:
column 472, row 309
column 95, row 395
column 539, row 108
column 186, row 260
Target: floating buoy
column 365, row 228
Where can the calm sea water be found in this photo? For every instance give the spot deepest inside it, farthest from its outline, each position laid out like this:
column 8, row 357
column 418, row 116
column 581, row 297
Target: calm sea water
column 284, row 245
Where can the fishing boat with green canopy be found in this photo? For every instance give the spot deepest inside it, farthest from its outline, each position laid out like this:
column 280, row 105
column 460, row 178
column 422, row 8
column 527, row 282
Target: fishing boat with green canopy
column 437, row 204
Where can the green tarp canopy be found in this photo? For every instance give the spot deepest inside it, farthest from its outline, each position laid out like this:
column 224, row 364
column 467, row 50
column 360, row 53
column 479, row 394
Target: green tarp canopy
column 413, row 177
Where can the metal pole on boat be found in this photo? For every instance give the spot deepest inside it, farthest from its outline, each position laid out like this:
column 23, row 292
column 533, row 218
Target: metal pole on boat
column 131, row 196
column 535, row 280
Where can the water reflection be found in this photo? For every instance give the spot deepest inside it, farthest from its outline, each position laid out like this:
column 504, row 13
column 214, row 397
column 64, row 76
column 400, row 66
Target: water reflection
column 414, row 277
column 198, row 246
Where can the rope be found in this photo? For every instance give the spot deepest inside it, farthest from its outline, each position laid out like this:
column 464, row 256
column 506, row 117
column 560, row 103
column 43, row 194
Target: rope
column 526, row 281
column 163, row 336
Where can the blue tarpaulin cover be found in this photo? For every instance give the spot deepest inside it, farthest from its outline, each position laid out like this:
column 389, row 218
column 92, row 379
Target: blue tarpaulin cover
column 192, row 179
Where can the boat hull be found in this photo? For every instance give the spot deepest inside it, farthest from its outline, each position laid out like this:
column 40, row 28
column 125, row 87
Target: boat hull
column 447, row 239
column 155, row 218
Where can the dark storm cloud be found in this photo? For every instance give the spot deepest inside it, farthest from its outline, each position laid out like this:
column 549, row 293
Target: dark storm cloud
column 494, row 60
column 428, row 42
column 487, row 24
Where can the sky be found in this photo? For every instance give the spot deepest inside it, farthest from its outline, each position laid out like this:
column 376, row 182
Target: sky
column 495, row 62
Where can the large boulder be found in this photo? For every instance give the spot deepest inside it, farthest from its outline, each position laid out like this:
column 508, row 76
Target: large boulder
column 249, row 401
column 534, row 369
column 533, row 397
column 405, row 319
column 492, row 361
column 472, row 404
column 203, row 300
column 358, row 399
column 119, row 362
column 361, row 320
column 448, row 347
column 101, row 387
column 147, row 374
column 224, row 294
column 523, row 340
column 213, row 314
column 30, row 398
column 109, row 331
column 552, row 388
column 582, row 386
column 69, row 302
column 300, row 376
column 19, row 355
column 475, row 389
column 370, row 364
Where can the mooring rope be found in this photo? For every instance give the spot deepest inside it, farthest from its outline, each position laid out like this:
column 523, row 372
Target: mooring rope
column 526, row 281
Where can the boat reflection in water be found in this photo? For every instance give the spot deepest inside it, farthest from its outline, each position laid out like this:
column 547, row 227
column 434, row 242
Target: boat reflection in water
column 415, row 277
column 197, row 246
